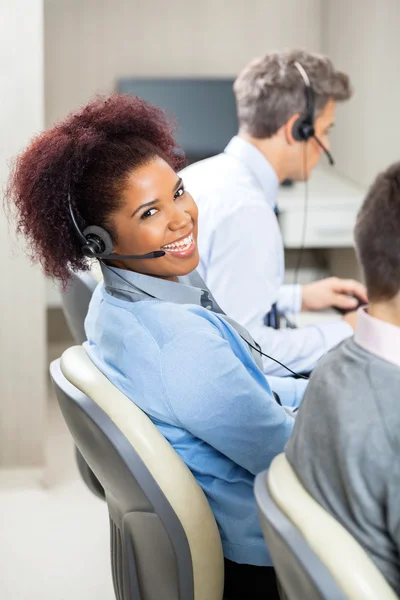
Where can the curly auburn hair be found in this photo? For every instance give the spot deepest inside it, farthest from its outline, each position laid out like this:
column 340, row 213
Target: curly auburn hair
column 89, row 155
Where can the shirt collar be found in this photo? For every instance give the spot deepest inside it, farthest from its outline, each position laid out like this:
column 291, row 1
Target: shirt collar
column 135, row 287
column 191, row 289
column 378, row 337
column 257, row 164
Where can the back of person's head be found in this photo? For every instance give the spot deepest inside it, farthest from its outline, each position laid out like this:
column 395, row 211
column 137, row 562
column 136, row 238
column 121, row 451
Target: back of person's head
column 270, row 90
column 88, row 156
column 377, row 236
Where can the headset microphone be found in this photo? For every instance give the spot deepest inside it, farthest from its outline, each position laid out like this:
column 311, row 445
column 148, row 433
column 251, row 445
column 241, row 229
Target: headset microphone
column 97, row 242
column 328, row 154
column 155, row 254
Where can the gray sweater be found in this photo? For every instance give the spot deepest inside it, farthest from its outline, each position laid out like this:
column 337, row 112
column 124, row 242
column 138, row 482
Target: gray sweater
column 345, row 449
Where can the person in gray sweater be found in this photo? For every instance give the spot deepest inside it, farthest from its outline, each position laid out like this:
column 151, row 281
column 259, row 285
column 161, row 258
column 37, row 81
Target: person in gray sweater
column 345, row 447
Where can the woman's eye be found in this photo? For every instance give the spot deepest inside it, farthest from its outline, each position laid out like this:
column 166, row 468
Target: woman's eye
column 149, row 213
column 179, row 192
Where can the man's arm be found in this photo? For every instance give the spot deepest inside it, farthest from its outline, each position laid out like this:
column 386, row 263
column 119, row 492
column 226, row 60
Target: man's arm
column 215, row 397
column 290, row 298
column 344, row 294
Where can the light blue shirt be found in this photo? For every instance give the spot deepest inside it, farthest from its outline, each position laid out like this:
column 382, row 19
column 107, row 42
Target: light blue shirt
column 190, row 371
column 242, row 254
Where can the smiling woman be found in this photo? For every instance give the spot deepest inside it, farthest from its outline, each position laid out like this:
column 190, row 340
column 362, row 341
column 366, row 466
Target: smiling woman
column 153, row 327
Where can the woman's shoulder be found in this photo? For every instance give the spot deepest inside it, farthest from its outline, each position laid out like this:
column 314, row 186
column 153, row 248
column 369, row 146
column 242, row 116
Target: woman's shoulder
column 166, row 321
column 159, row 320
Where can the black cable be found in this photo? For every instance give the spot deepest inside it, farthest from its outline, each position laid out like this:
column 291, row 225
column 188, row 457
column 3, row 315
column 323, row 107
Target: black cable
column 274, row 359
column 123, row 278
column 304, row 231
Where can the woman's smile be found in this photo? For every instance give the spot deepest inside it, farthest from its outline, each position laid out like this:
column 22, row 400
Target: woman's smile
column 183, row 247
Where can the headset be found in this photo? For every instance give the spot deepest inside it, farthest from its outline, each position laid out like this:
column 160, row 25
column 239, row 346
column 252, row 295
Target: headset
column 97, row 242
column 303, row 130
column 303, row 127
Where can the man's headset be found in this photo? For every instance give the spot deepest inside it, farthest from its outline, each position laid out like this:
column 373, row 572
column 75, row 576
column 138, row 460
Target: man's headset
column 97, row 242
column 303, row 127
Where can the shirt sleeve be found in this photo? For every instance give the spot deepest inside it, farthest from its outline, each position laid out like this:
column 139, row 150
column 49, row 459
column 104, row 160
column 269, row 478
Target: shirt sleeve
column 243, row 265
column 220, row 400
column 289, row 390
column 289, row 298
column 242, row 272
column 299, row 349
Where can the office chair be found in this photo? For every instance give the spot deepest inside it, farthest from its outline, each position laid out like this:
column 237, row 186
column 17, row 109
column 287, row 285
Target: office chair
column 164, row 539
column 75, row 301
column 314, row 556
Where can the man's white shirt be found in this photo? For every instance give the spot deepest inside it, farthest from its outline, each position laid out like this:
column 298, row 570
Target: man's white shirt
column 242, row 254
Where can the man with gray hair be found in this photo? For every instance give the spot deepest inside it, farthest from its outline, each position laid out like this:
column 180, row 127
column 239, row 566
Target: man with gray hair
column 283, row 129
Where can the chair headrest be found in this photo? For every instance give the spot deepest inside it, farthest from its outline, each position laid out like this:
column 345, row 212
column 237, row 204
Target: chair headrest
column 349, row 564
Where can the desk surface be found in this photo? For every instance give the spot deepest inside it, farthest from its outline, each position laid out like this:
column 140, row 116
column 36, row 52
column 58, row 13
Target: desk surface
column 326, row 189
column 333, row 203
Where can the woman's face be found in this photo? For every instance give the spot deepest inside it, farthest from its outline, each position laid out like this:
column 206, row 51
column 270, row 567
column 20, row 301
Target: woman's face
column 158, row 214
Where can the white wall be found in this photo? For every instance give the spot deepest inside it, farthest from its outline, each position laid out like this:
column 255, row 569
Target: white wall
column 23, row 392
column 90, row 43
column 362, row 37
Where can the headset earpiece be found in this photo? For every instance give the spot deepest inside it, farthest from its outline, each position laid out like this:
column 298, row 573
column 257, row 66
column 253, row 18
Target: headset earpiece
column 303, row 127
column 98, row 242
column 302, row 130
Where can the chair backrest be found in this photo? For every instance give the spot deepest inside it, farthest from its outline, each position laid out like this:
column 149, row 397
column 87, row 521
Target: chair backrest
column 314, row 556
column 164, row 539
column 75, row 304
column 75, row 301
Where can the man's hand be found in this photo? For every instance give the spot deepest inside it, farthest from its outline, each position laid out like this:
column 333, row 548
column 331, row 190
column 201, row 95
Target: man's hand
column 332, row 292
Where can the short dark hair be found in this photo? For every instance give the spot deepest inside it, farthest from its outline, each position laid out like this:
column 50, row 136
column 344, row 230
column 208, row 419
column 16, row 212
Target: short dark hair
column 377, row 236
column 270, row 89
column 89, row 154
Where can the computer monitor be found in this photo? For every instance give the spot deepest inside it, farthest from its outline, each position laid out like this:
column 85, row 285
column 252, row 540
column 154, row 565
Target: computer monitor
column 204, row 109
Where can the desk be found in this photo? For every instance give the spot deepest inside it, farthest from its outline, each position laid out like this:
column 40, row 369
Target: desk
column 333, row 203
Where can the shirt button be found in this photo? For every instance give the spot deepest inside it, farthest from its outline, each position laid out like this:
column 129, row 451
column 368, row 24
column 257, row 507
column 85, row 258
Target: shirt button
column 209, row 307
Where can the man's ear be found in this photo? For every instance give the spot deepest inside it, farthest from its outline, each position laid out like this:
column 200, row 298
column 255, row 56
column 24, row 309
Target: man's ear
column 288, row 129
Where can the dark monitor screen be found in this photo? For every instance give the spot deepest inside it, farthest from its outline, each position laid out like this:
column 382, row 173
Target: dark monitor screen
column 204, row 109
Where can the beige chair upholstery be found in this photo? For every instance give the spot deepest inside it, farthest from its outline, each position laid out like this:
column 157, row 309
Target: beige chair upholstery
column 76, row 297
column 75, row 301
column 351, row 568
column 95, row 270
column 171, row 474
